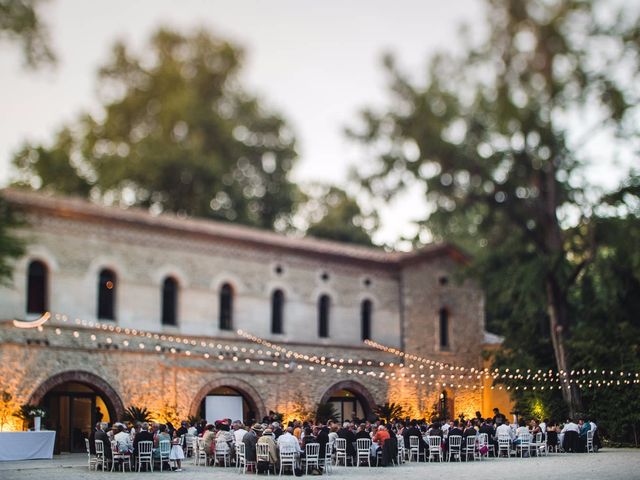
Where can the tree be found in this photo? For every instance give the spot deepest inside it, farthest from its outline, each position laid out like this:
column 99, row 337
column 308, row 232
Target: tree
column 177, row 133
column 334, row 215
column 499, row 136
column 11, row 246
column 389, row 411
column 21, row 22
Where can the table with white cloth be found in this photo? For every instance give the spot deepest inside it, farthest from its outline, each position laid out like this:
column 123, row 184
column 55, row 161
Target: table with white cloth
column 27, row 445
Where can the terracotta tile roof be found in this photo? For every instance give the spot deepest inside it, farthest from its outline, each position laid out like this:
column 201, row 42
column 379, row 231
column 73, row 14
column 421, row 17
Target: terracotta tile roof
column 81, row 208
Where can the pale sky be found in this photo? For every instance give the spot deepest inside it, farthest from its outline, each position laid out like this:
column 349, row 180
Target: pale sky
column 315, row 61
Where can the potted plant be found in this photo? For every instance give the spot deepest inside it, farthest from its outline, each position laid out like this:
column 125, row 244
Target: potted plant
column 37, row 414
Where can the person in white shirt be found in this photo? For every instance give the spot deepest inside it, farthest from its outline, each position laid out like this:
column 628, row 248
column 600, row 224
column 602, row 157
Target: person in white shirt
column 192, row 430
column 505, row 430
column 570, row 427
column 521, row 430
column 239, row 431
column 123, row 440
column 543, row 425
column 288, row 441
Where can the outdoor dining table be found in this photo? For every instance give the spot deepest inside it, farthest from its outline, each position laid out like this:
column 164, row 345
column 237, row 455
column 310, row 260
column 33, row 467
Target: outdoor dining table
column 27, row 445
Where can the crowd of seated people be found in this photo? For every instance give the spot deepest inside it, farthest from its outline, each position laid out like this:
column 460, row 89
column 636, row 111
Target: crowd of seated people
column 296, row 435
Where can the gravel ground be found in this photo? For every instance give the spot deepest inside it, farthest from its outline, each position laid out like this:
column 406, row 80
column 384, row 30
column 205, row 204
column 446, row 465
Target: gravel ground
column 610, row 464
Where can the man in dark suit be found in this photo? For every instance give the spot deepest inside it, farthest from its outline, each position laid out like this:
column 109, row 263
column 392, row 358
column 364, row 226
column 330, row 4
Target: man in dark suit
column 346, row 432
column 143, row 435
column 455, row 430
column 101, row 436
column 413, row 431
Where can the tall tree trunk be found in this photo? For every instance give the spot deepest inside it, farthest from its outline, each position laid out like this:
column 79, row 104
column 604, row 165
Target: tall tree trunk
column 557, row 310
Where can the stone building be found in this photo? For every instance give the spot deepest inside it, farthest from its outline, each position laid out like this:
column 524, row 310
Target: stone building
column 146, row 311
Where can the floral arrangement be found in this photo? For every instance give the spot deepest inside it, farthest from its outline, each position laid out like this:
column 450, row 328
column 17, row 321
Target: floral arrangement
column 37, row 412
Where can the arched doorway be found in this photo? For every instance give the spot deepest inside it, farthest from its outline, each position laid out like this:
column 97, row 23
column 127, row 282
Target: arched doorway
column 228, row 398
column 350, row 400
column 75, row 401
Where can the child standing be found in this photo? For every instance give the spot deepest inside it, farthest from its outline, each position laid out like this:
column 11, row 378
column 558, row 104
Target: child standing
column 177, row 454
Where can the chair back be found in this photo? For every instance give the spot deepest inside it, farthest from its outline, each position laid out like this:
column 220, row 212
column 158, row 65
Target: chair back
column 145, row 447
column 525, row 439
column 414, row 442
column 504, row 441
column 287, row 455
column 240, row 450
column 328, row 450
column 222, row 448
column 341, row 445
column 188, row 440
column 434, row 443
column 312, row 451
column 483, row 439
column 455, row 442
column 363, row 444
column 165, row 448
column 470, row 443
column 262, row 452
column 99, row 448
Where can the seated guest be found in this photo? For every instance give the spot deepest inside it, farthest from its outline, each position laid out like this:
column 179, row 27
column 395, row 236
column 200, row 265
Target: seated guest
column 596, row 438
column 142, row 435
column 521, row 430
column 585, row 427
column 470, row 431
column 362, row 433
column 436, row 430
column 267, row 438
column 381, row 436
column 333, row 432
column 571, row 439
column 288, row 441
column 123, row 439
column 101, row 436
column 209, row 439
column 323, row 438
column 224, row 435
column 239, row 431
column 250, row 441
column 161, row 435
column 505, row 430
column 346, row 432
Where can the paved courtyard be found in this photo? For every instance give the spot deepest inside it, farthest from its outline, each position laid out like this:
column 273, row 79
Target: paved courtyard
column 613, row 464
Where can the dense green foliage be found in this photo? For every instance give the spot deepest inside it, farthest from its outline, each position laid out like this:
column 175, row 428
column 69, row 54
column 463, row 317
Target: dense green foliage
column 177, row 133
column 21, row 22
column 334, row 215
column 11, row 247
column 501, row 137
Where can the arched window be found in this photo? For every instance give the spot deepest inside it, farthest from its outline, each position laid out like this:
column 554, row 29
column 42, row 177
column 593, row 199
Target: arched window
column 170, row 301
column 106, row 295
column 226, row 307
column 277, row 308
column 37, row 287
column 365, row 319
column 444, row 328
column 324, row 304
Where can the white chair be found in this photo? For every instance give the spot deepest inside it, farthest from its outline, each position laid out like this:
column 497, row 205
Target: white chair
column 223, row 452
column 188, row 444
column 483, row 441
column 435, row 449
column 287, row 459
column 312, row 456
column 401, row 450
column 590, row 448
column 470, row 448
column 101, row 459
column 524, row 443
column 414, row 449
column 262, row 455
column 328, row 454
column 504, row 445
column 200, row 453
column 123, row 458
column 241, row 458
column 455, row 447
column 363, row 451
column 164, row 449
column 341, row 451
column 145, row 454
column 90, row 458
column 540, row 444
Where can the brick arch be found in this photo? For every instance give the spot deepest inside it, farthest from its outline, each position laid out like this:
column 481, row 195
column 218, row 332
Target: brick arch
column 110, row 396
column 243, row 388
column 359, row 390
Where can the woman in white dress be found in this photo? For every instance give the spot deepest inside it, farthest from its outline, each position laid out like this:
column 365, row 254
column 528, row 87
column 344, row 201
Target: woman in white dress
column 177, row 454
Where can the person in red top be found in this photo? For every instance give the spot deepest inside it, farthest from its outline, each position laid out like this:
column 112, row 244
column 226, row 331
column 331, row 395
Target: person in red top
column 381, row 436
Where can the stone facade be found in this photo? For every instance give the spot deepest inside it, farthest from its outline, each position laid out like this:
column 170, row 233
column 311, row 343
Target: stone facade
column 170, row 369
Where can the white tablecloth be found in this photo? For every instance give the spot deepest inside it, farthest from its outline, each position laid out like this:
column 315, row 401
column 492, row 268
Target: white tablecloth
column 26, row 445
